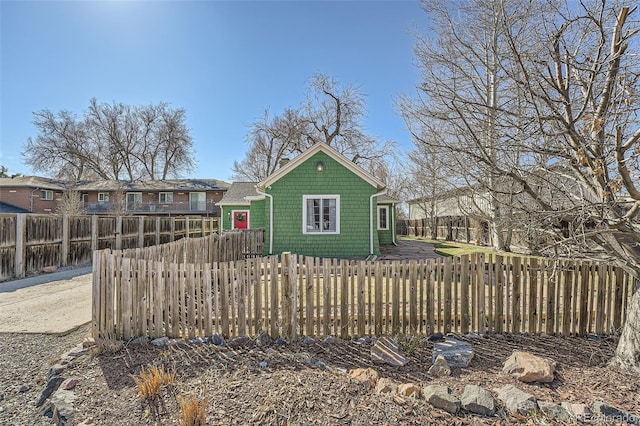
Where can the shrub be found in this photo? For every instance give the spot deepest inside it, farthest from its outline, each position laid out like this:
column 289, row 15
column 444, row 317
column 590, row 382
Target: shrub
column 193, row 412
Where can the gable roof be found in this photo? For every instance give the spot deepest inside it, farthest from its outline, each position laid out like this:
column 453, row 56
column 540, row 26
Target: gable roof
column 237, row 194
column 32, row 182
column 116, row 185
column 322, row 147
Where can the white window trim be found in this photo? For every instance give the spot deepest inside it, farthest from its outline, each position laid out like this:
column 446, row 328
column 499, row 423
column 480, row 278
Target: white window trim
column 386, row 213
column 48, row 194
column 304, row 214
column 191, row 194
column 105, row 197
column 233, row 218
column 165, row 195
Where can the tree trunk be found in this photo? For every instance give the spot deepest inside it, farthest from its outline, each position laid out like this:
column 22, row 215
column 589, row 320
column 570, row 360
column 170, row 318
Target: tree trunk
column 627, row 356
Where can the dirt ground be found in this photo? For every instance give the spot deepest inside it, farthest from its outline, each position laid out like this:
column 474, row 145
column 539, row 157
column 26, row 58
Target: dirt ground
column 281, row 385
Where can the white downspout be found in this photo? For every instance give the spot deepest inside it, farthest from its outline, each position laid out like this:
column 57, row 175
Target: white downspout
column 372, row 219
column 393, row 224
column 270, row 218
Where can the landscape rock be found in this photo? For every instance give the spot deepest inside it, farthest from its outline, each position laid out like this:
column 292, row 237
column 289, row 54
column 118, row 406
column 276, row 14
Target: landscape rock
column 62, row 403
column 281, row 342
column 70, row 384
column 579, row 411
column 440, row 367
column 52, row 385
column 330, row 340
column 614, row 414
column 436, row 337
column 161, row 341
column 517, row 401
column 386, row 385
column 55, row 370
column 409, row 389
column 262, row 364
column 441, row 397
column 528, row 368
column 363, row 341
column 457, row 353
column 141, row 340
column 554, row 411
column 217, row 340
column 263, row 339
column 386, row 350
column 321, row 365
column 367, row 376
column 24, row 388
column 50, row 269
column 308, row 341
column 239, row 341
column 476, row 399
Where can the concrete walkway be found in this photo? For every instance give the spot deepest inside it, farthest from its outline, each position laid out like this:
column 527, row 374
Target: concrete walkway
column 50, row 303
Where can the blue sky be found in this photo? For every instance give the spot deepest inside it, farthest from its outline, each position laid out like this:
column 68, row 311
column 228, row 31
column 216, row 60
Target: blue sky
column 224, row 62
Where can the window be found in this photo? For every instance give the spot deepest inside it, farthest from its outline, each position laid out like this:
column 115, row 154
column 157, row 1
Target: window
column 165, row 197
column 134, row 200
column 197, row 201
column 103, row 197
column 383, row 218
column 46, row 194
column 321, row 214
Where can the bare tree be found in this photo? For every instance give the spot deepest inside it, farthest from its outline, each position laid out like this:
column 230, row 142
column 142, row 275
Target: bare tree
column 565, row 145
column 330, row 114
column 70, row 202
column 111, row 141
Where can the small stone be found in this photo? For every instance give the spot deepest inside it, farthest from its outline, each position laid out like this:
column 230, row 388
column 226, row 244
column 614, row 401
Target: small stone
column 263, row 339
column 162, row 341
column 1, row 396
column 217, row 340
column 197, row 341
column 281, row 342
column 365, row 375
column 472, row 336
column 262, row 364
column 579, row 411
column 321, row 365
column 477, row 400
column 70, row 384
column 441, row 397
column 239, row 341
column 436, row 337
column 330, row 340
column 55, row 370
column 50, row 269
column 555, row 411
column 308, row 341
column 363, row 341
column 516, row 400
column 440, row 367
column 409, row 389
column 142, row 340
column 386, row 385
column 24, row 389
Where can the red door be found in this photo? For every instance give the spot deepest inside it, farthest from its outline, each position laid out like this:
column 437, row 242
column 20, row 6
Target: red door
column 240, row 219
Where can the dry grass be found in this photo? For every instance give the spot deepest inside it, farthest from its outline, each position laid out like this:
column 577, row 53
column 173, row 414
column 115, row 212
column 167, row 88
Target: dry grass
column 193, row 411
column 150, row 381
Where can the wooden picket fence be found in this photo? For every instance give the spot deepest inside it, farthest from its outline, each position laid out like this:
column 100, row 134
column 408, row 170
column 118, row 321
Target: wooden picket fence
column 294, row 295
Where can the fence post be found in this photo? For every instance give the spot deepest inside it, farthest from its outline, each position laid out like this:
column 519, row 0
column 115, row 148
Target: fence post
column 118, row 232
column 173, row 229
column 157, row 230
column 140, row 231
column 187, row 230
column 287, row 311
column 21, row 247
column 64, row 249
column 94, row 233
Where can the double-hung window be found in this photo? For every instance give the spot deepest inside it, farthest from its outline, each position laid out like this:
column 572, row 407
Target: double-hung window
column 383, row 218
column 103, row 197
column 321, row 214
column 46, row 194
column 165, row 197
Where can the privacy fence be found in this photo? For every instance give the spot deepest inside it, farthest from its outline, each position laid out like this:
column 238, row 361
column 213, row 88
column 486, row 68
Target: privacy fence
column 30, row 242
column 295, row 295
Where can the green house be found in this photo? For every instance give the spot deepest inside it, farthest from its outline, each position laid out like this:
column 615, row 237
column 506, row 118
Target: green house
column 318, row 204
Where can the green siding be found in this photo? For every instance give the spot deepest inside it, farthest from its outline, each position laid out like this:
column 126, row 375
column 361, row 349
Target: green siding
column 257, row 214
column 386, row 236
column 336, row 179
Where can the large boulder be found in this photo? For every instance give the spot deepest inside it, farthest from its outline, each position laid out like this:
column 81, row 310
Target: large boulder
column 387, row 351
column 527, row 367
column 556, row 412
column 457, row 353
column 477, row 400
